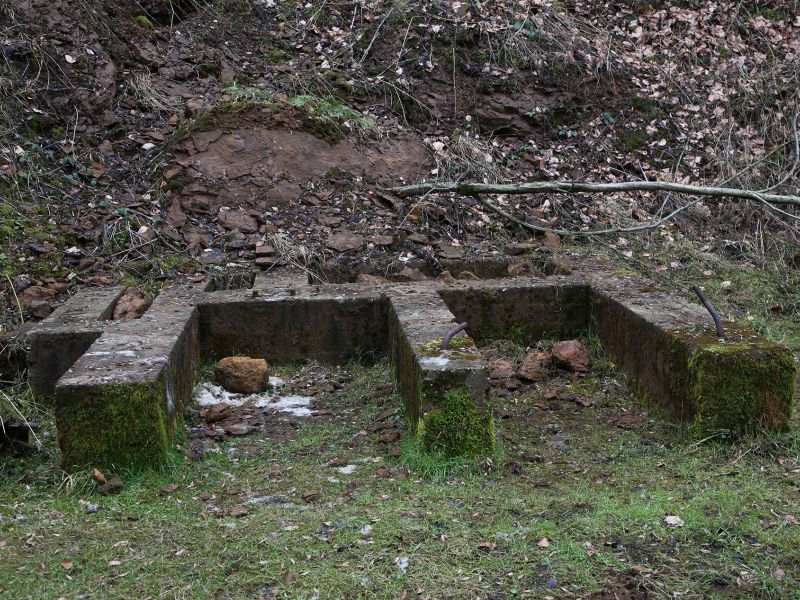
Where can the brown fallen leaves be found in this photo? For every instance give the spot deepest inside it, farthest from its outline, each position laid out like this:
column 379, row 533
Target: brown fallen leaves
column 388, row 438
column 168, row 490
column 239, row 511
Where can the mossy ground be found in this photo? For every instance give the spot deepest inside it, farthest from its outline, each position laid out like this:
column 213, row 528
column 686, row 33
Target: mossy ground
column 456, row 427
column 468, row 528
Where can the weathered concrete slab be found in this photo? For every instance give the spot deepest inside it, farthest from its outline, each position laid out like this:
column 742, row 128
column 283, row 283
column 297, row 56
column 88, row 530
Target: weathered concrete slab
column 285, row 324
column 118, row 403
column 667, row 346
column 532, row 309
column 65, row 335
column 418, row 324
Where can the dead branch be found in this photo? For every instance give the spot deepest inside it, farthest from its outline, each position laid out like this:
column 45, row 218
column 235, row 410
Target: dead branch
column 475, row 190
column 577, row 187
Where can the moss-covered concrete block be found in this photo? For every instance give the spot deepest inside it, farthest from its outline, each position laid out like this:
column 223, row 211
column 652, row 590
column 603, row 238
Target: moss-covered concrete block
column 742, row 383
column 116, row 426
column 456, row 426
column 117, row 406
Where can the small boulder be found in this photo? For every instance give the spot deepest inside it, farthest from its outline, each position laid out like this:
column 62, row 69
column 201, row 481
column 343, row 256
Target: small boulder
column 500, row 368
column 468, row 276
column 367, row 278
column 111, row 487
column 345, row 241
column 242, row 375
column 35, row 292
column 21, row 283
column 571, row 354
column 522, row 268
column 557, row 265
column 552, row 240
column 446, row 276
column 410, row 274
column 515, row 249
column 40, row 309
column 238, row 219
column 451, row 252
column 535, row 366
column 132, row 304
column 501, row 375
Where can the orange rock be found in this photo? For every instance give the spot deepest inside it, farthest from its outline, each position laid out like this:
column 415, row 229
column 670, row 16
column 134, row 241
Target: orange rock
column 242, row 375
column 535, row 366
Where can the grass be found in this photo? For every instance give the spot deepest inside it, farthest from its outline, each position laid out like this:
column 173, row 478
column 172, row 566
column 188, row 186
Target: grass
column 327, row 117
column 332, row 118
column 428, row 527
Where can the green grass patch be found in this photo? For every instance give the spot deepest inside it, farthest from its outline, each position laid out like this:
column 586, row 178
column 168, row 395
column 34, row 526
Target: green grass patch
column 416, row 524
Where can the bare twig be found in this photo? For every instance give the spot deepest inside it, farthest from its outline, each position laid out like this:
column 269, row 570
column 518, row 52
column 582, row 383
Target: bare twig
column 596, row 232
column 714, row 315
column 795, row 165
column 19, row 304
column 375, row 37
column 23, row 417
column 452, row 333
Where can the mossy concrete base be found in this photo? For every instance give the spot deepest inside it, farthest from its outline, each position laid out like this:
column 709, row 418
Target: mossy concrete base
column 118, row 404
column 670, row 349
column 444, row 390
column 740, row 384
column 455, row 426
column 118, row 426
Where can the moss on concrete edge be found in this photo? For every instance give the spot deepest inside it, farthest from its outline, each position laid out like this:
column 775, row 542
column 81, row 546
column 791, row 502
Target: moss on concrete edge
column 120, row 426
column 742, row 384
column 742, row 391
column 456, row 427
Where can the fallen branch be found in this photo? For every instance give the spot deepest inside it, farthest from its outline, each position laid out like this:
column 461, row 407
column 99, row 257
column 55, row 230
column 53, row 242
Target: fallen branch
column 576, row 187
column 571, row 187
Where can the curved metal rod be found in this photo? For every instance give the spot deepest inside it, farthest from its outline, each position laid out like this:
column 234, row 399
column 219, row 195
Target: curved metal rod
column 714, row 315
column 453, row 332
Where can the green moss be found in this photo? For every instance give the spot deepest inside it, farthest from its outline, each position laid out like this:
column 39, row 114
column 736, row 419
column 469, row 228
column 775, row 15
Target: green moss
column 742, row 388
column 122, row 426
column 232, row 6
column 457, row 343
column 457, row 427
column 742, row 384
column 330, row 118
column 143, row 21
column 633, row 139
column 275, row 56
column 646, row 107
column 339, row 80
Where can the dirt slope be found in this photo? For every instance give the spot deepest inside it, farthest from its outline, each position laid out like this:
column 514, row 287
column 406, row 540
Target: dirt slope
column 146, row 141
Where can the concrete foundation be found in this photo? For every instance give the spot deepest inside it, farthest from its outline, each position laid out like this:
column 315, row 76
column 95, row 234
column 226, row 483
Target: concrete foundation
column 119, row 386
